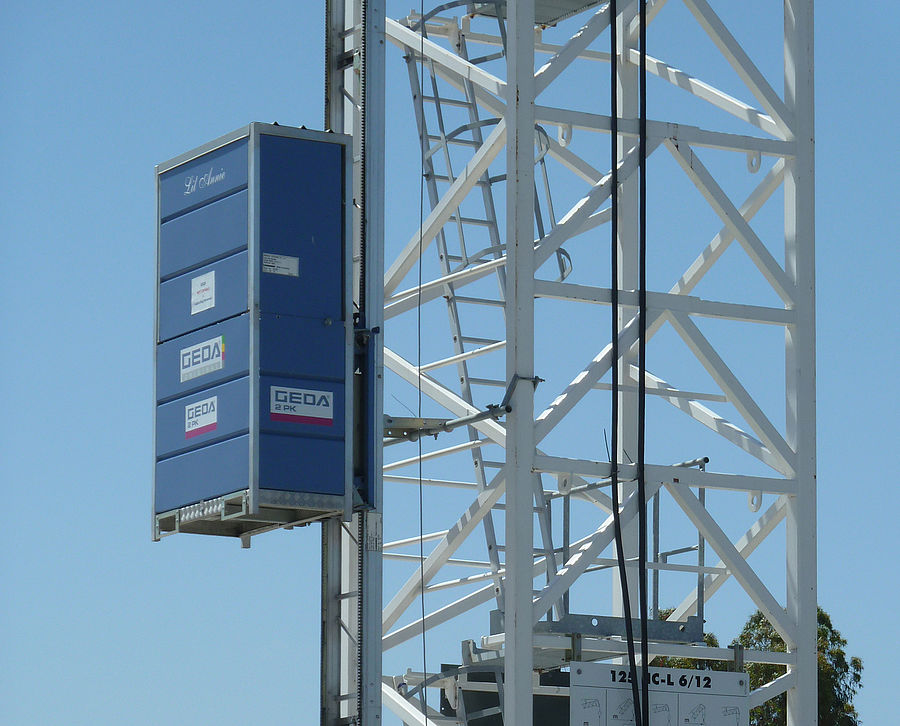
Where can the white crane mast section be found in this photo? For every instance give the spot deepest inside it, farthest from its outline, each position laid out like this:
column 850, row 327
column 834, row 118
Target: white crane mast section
column 503, row 290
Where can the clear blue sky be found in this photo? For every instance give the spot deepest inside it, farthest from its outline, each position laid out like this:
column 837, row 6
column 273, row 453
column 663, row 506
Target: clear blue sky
column 100, row 626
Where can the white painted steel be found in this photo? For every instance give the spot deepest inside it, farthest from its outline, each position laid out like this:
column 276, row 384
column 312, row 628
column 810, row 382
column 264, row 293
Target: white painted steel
column 719, row 201
column 443, row 551
column 578, row 43
column 492, row 163
column 745, row 546
column 663, row 302
column 662, row 130
column 740, row 61
column 439, row 216
column 708, row 93
column 373, row 168
column 586, row 554
column 713, row 421
column 596, row 648
column 520, row 443
column 448, row 61
column 772, row 689
column 351, row 552
column 736, row 393
column 408, row 711
column 800, row 358
column 736, row 564
column 340, row 565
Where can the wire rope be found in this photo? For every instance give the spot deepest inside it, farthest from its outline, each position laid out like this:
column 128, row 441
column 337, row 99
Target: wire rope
column 614, row 369
column 422, row 695
column 642, row 366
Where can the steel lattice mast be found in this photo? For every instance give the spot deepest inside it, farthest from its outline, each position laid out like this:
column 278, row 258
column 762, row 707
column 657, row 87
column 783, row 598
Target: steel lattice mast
column 488, row 138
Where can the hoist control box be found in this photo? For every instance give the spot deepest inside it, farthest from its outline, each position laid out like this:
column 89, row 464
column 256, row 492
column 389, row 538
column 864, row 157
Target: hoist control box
column 254, row 374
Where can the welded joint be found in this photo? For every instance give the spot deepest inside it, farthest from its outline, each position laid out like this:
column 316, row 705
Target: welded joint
column 511, row 387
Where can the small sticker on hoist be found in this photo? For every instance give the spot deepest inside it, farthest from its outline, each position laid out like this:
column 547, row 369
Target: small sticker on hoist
column 201, row 417
column 203, row 292
column 281, row 265
column 301, row 405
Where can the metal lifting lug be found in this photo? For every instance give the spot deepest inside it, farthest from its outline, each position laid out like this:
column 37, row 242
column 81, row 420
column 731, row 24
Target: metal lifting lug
column 362, row 335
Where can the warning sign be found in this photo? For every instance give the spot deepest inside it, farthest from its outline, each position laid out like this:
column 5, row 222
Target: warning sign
column 203, row 292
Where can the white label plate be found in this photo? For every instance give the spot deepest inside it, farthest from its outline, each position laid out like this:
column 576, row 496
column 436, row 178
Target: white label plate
column 301, row 405
column 281, row 265
column 201, row 417
column 704, row 710
column 203, row 292
column 202, row 358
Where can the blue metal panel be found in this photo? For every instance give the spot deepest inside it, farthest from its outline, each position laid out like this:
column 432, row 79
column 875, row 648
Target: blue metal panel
column 302, row 216
column 213, row 231
column 178, row 313
column 208, row 177
column 211, row 415
column 289, row 463
column 203, row 358
column 301, row 347
column 208, row 339
column 202, row 474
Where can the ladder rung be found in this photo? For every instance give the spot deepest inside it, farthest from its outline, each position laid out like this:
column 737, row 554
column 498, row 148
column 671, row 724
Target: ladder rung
column 487, row 382
column 459, row 357
column 472, row 220
column 536, row 510
column 461, row 103
column 479, row 301
column 480, row 341
column 445, row 178
column 535, row 551
column 454, row 140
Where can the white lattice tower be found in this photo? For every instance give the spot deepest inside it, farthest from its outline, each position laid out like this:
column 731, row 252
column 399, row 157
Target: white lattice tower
column 506, row 281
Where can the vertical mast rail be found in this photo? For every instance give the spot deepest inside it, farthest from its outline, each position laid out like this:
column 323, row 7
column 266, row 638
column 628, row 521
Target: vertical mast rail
column 351, row 563
column 800, row 358
column 476, row 95
column 520, row 442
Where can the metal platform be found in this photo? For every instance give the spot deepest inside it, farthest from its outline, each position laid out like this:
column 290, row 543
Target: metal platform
column 233, row 516
column 546, row 12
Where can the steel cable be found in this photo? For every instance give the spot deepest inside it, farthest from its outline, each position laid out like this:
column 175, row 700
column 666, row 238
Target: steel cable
column 642, row 367
column 422, row 696
column 614, row 369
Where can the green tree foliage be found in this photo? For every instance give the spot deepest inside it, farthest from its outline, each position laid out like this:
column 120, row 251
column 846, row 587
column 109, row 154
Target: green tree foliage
column 839, row 678
column 709, row 639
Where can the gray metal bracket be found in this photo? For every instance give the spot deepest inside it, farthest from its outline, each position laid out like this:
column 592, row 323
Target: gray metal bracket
column 411, row 428
column 605, row 626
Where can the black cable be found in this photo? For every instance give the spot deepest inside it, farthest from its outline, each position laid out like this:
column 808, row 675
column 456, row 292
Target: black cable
column 614, row 299
column 642, row 366
column 424, row 701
